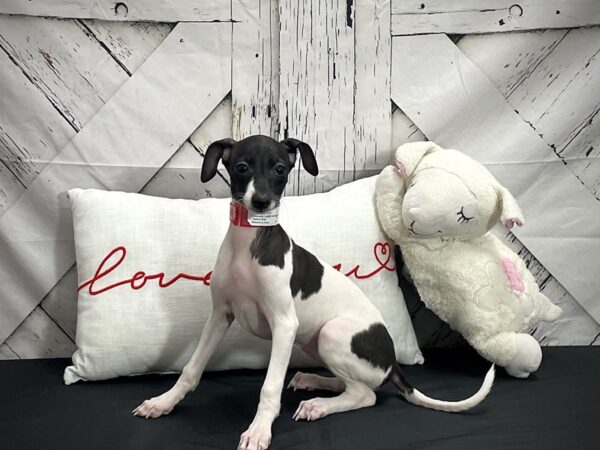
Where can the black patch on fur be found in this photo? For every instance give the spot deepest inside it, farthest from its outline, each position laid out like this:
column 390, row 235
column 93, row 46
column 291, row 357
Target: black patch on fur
column 374, row 345
column 307, row 274
column 399, row 380
column 270, row 246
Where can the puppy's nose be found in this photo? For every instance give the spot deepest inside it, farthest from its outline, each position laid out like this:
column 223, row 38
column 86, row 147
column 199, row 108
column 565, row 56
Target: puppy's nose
column 260, row 203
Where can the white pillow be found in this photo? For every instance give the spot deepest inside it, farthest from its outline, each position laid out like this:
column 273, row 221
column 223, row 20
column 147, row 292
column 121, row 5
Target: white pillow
column 152, row 324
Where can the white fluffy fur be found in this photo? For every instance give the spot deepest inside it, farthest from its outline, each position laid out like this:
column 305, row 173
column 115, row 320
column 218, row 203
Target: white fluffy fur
column 455, row 263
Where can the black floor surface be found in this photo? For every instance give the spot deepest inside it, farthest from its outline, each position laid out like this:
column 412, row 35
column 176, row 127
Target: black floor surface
column 557, row 408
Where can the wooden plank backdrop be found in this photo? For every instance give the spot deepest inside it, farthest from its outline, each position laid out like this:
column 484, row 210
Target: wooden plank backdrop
column 147, row 10
column 317, row 70
column 490, row 16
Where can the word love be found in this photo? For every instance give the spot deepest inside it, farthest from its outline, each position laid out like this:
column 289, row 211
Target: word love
column 382, row 254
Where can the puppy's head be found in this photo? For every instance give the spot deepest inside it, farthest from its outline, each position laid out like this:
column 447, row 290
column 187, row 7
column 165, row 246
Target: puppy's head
column 258, row 167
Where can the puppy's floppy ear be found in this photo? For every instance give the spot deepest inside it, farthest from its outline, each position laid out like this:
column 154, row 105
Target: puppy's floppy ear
column 215, row 151
column 306, row 154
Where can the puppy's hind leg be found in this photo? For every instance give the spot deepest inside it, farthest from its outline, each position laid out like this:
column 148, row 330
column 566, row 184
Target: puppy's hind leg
column 313, row 382
column 358, row 377
column 213, row 332
column 356, row 396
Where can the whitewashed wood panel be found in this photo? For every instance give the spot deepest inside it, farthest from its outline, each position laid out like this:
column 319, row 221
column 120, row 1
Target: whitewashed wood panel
column 316, row 104
column 490, row 16
column 129, row 43
column 372, row 84
column 31, row 131
column 179, row 178
column 140, row 128
column 64, row 61
column 558, row 94
column 10, row 188
column 7, row 353
column 443, row 79
column 147, row 10
column 43, row 335
column 403, row 130
column 255, row 68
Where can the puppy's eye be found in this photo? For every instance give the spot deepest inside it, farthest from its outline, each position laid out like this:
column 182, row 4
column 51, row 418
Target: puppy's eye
column 241, row 168
column 279, row 169
column 461, row 216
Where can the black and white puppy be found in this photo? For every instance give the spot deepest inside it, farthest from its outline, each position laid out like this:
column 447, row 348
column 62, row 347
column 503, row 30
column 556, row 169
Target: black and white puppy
column 279, row 291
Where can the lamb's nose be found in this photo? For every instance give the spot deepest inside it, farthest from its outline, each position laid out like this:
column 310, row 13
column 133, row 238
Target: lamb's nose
column 260, row 203
column 411, row 214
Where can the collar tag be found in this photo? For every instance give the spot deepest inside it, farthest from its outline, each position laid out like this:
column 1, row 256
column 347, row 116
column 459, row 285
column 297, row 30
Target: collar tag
column 241, row 217
column 264, row 219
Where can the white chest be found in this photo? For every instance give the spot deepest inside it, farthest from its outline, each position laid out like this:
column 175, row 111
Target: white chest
column 249, row 289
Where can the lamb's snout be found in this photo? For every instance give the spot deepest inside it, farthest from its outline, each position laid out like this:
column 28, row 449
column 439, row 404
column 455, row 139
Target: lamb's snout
column 410, row 216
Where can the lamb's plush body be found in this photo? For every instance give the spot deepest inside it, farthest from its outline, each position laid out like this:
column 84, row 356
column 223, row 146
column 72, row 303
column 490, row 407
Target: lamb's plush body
column 474, row 282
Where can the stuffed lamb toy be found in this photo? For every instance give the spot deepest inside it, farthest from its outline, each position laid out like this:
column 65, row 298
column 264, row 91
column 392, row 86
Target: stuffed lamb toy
column 439, row 206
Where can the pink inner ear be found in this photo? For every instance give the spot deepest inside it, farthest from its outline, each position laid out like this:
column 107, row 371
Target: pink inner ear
column 401, row 168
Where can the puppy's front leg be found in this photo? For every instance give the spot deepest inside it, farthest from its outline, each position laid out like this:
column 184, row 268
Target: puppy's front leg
column 213, row 332
column 283, row 332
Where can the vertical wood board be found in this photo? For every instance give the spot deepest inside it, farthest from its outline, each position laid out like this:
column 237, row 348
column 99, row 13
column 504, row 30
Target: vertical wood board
column 372, row 107
column 255, row 68
column 316, row 103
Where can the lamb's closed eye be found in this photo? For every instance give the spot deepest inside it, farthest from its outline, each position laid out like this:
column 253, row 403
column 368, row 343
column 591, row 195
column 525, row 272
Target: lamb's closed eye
column 462, row 218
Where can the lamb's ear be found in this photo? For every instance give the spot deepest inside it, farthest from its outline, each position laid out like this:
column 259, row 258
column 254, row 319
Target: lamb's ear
column 409, row 155
column 307, row 156
column 510, row 213
column 215, row 151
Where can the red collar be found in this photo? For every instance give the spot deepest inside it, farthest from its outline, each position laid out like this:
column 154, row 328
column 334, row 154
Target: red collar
column 238, row 215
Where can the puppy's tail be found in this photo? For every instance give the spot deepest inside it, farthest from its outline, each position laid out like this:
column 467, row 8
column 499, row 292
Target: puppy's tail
column 417, row 398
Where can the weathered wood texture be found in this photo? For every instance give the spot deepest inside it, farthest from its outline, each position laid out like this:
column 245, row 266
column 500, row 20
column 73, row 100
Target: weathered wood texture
column 131, row 131
column 129, row 44
column 334, row 85
column 547, row 77
column 52, row 87
column 490, row 16
column 255, row 68
column 498, row 139
column 551, row 79
column 147, row 10
column 372, row 81
column 316, row 58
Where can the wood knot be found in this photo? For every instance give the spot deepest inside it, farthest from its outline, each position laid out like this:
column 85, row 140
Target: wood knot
column 515, row 11
column 121, row 9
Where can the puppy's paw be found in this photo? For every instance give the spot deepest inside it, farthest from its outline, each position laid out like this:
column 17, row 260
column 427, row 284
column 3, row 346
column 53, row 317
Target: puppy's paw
column 302, row 381
column 155, row 407
column 256, row 437
column 310, row 410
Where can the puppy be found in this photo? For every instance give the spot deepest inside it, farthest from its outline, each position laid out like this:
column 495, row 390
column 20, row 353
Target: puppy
column 279, row 291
